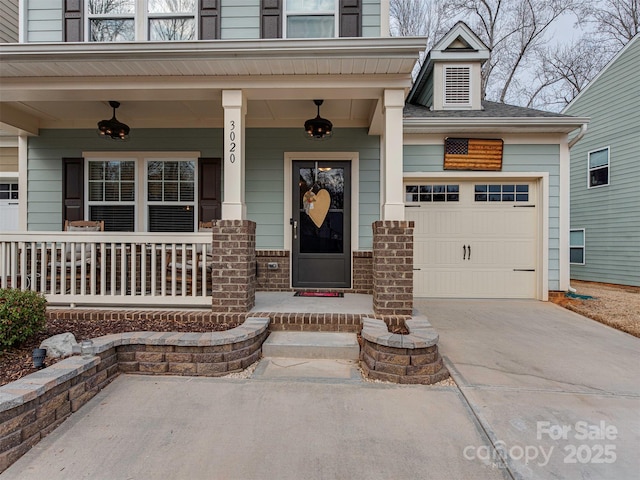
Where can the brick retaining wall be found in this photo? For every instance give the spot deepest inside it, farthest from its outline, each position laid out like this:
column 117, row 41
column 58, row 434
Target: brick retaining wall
column 412, row 358
column 32, row 407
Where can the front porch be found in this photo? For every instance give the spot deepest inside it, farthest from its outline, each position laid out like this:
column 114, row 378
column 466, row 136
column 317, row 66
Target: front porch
column 213, row 275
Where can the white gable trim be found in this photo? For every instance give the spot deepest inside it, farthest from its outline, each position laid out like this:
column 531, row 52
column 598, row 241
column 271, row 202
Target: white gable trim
column 478, row 51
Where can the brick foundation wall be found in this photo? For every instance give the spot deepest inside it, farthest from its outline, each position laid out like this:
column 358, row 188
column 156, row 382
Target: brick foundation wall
column 276, row 280
column 362, row 272
column 234, row 265
column 393, row 267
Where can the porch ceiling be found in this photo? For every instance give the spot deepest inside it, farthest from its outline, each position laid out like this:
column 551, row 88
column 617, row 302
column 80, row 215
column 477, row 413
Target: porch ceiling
column 163, row 85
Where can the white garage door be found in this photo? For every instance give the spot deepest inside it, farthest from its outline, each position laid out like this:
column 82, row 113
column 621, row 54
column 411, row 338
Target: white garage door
column 473, row 239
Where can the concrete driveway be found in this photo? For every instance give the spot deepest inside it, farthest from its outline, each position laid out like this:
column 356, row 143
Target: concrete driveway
column 557, row 394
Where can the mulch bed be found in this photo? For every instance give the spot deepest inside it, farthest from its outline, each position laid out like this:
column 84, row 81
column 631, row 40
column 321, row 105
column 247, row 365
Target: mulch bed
column 16, row 362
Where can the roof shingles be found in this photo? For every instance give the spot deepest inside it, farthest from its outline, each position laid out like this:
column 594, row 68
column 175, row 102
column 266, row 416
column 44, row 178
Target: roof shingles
column 489, row 110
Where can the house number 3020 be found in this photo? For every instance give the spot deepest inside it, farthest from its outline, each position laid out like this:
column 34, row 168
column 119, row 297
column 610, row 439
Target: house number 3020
column 232, row 141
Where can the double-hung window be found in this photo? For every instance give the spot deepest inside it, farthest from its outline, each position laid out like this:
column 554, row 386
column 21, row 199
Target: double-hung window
column 310, row 18
column 111, row 20
column 171, row 20
column 112, row 193
column 576, row 246
column 598, row 167
column 141, row 193
column 135, row 20
column 171, row 195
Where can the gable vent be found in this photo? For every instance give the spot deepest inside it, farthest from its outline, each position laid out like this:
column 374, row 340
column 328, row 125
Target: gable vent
column 457, row 86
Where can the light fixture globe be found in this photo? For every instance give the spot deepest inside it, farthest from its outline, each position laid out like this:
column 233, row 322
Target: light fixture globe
column 318, row 128
column 113, row 129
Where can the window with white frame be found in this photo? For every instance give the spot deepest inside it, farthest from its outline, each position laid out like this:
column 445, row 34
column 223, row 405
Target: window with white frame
column 310, row 18
column 148, row 194
column 171, row 195
column 112, row 193
column 457, row 85
column 134, row 20
column 576, row 246
column 598, row 167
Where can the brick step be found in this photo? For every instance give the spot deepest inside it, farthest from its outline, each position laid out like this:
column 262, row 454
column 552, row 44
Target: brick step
column 324, row 345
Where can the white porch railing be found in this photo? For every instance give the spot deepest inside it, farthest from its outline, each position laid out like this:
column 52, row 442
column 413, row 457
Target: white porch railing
column 109, row 268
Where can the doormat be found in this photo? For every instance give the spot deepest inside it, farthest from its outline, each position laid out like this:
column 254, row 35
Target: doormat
column 319, row 294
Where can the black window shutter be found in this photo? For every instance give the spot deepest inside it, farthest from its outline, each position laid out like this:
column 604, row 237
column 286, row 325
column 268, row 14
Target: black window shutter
column 73, row 21
column 72, row 189
column 271, row 18
column 209, row 189
column 209, row 19
column 350, row 18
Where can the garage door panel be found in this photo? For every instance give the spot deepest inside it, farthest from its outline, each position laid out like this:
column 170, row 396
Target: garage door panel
column 501, row 238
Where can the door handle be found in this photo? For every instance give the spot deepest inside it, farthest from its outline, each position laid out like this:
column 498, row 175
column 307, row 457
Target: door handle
column 464, row 252
column 294, row 224
column 469, row 255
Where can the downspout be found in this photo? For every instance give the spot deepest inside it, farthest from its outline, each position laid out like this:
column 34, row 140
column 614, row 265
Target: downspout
column 577, row 138
column 574, row 140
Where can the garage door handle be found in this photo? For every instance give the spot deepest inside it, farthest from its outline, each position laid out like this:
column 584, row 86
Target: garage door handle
column 464, row 252
column 524, row 269
column 469, row 256
column 416, row 269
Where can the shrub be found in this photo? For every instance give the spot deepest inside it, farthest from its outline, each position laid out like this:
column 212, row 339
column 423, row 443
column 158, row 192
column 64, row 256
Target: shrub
column 22, row 314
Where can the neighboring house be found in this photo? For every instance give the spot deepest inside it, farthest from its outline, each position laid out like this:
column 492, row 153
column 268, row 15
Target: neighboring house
column 8, row 141
column 9, row 21
column 216, row 121
column 605, row 171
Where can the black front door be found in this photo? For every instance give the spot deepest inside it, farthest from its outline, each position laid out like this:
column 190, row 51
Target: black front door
column 321, row 224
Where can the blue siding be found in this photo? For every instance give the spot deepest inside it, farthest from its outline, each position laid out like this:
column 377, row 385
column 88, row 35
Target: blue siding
column 516, row 158
column 46, row 152
column 240, row 19
column 265, row 150
column 44, row 21
column 265, row 186
column 371, row 18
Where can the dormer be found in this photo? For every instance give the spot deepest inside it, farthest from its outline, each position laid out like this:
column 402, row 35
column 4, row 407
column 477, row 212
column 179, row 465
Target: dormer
column 450, row 78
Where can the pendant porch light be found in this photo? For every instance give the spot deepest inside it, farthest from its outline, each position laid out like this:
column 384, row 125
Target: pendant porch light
column 318, row 128
column 113, row 128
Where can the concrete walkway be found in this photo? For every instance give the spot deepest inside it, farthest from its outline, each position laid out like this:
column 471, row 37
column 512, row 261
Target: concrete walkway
column 534, row 380
column 558, row 394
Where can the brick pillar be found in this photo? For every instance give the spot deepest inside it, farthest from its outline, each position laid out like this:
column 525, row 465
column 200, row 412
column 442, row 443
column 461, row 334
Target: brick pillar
column 234, row 266
column 393, row 267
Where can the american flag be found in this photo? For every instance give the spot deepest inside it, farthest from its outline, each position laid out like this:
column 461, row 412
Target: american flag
column 472, row 154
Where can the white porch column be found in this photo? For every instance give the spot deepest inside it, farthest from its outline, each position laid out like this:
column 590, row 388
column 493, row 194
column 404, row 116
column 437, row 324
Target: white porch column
column 235, row 109
column 391, row 165
column 22, row 182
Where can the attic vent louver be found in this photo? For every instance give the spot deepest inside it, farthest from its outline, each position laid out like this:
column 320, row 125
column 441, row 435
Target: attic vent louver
column 457, row 86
